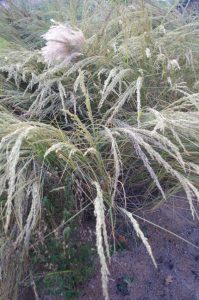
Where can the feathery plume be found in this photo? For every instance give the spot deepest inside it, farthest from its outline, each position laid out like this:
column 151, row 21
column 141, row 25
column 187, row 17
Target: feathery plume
column 138, row 89
column 101, row 235
column 173, row 65
column 64, row 44
column 148, row 53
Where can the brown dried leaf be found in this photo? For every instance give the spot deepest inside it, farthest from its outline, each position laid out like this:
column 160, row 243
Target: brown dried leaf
column 168, row 280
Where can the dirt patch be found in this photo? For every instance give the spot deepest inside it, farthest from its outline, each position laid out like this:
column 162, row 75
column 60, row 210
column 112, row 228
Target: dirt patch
column 133, row 276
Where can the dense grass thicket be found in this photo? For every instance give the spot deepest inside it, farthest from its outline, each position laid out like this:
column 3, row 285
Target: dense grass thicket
column 114, row 129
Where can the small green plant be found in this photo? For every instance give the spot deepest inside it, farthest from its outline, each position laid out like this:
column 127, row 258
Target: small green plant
column 63, row 270
column 60, row 262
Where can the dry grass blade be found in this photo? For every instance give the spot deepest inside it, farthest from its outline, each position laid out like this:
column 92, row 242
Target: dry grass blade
column 140, row 234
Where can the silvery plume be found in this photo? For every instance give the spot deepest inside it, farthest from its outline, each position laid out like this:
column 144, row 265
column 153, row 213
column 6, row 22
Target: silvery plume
column 63, row 45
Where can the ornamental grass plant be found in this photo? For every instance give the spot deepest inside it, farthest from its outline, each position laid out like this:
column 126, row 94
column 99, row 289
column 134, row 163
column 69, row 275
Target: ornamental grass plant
column 115, row 115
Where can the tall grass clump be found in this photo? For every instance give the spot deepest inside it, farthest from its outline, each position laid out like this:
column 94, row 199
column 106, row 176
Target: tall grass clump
column 115, row 114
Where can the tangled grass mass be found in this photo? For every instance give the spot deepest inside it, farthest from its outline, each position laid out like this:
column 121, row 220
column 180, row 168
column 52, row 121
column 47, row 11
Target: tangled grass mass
column 99, row 106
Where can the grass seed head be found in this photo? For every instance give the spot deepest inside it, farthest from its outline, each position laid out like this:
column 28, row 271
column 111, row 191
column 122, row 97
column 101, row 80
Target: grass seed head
column 63, row 44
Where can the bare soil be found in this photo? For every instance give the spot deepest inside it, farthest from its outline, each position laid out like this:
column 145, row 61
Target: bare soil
column 132, row 274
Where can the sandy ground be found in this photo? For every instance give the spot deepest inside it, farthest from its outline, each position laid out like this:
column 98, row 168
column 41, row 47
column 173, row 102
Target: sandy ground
column 133, row 276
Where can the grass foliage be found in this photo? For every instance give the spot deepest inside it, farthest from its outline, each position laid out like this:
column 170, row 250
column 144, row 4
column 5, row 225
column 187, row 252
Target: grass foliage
column 120, row 123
